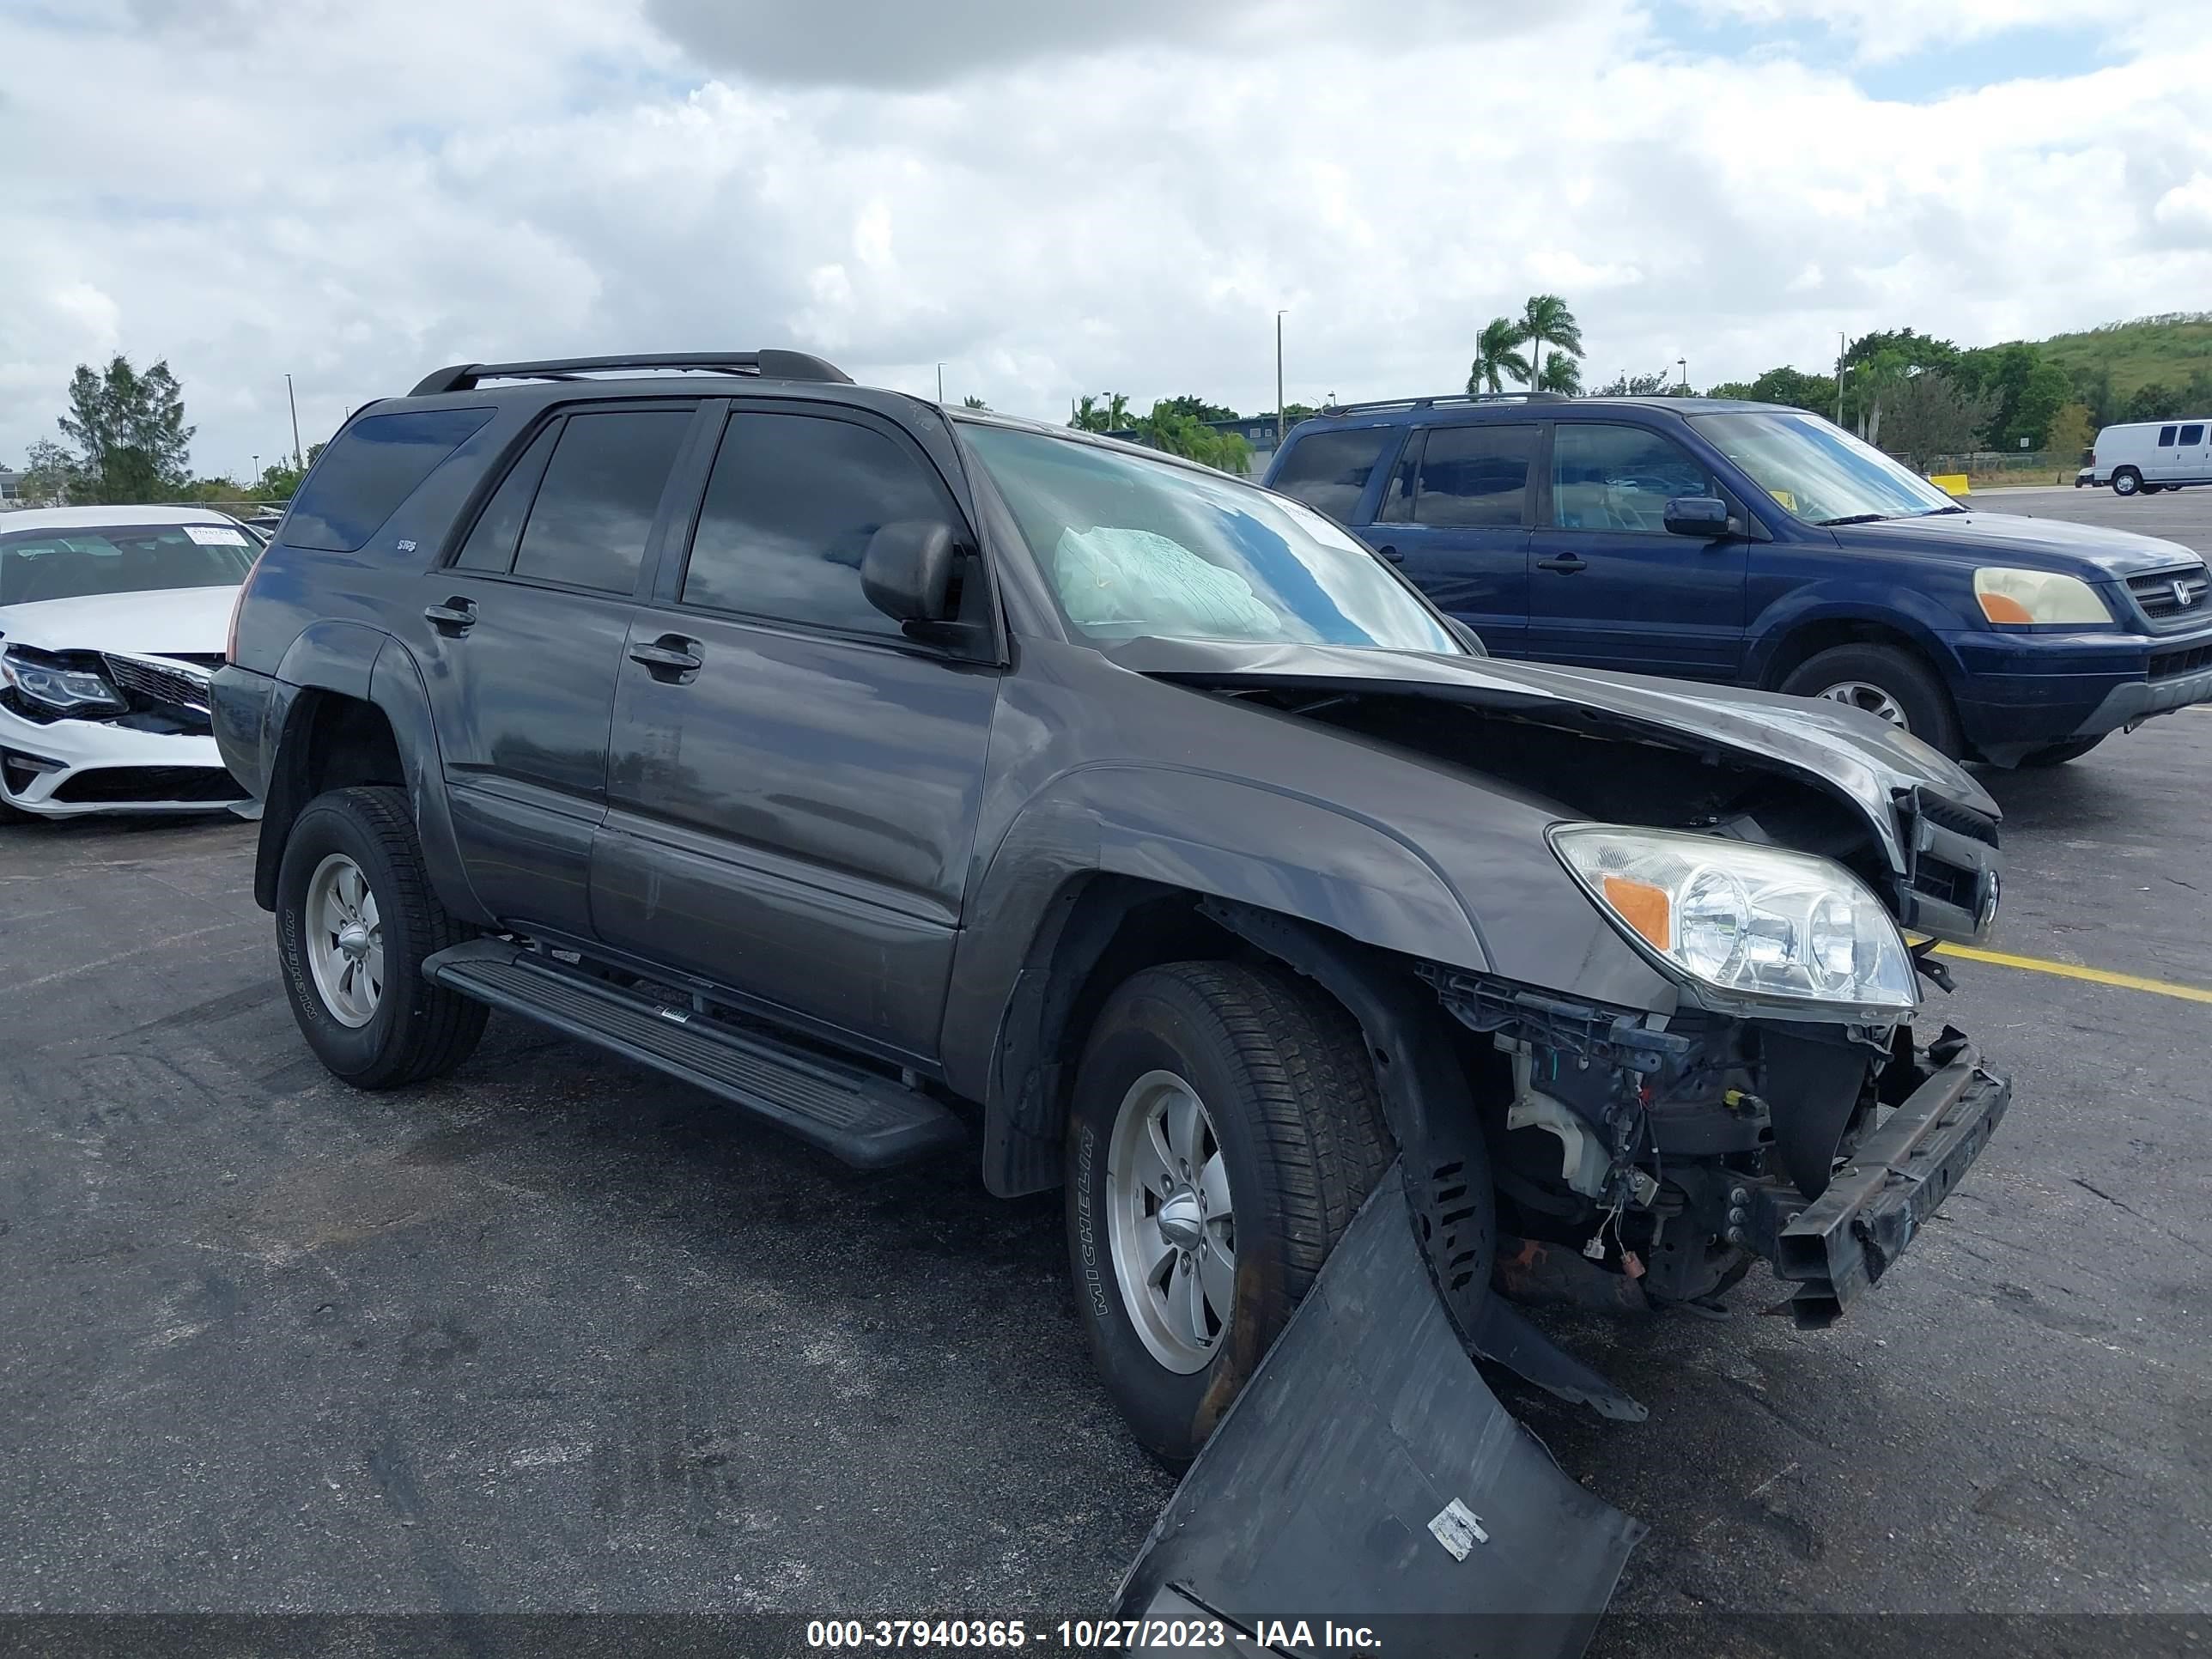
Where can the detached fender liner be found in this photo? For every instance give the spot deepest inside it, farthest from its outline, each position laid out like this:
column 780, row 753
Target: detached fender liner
column 1839, row 1245
column 1364, row 1442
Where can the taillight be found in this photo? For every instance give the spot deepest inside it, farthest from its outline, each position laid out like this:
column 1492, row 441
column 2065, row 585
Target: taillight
column 230, row 640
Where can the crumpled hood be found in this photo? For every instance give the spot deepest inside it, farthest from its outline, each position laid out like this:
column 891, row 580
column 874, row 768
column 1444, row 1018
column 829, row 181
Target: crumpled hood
column 168, row 622
column 1843, row 748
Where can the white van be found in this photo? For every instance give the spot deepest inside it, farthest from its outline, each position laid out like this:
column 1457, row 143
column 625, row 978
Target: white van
column 2153, row 455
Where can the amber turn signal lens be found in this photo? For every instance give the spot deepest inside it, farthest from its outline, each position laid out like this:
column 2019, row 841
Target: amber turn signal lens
column 2003, row 608
column 1644, row 908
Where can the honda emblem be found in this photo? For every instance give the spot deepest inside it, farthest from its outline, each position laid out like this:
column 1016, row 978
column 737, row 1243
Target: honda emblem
column 2182, row 596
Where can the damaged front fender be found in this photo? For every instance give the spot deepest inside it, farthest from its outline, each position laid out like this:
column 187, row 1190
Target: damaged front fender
column 1367, row 1476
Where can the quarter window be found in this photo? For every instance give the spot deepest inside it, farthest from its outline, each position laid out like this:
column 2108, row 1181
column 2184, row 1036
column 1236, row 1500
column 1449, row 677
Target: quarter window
column 374, row 465
column 1619, row 477
column 791, row 504
column 593, row 513
column 1328, row 470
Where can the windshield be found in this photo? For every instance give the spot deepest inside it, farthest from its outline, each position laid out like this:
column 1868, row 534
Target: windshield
column 70, row 564
column 1820, row 471
column 1137, row 549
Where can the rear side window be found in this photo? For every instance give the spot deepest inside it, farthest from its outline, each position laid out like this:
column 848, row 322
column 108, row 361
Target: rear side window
column 594, row 511
column 790, row 508
column 1473, row 477
column 2165, row 437
column 2193, row 435
column 374, row 464
column 491, row 543
column 1328, row 470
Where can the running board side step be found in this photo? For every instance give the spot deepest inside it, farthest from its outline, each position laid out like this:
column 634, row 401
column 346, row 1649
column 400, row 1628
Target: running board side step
column 866, row 1121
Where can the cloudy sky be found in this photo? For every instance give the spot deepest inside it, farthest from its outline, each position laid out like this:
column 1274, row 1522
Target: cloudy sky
column 1050, row 199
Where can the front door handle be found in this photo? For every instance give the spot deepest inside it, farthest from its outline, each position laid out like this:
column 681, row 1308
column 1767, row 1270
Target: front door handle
column 1566, row 564
column 454, row 617
column 671, row 657
column 1391, row 554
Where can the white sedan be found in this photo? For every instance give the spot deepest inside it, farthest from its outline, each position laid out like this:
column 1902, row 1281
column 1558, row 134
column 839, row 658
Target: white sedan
column 112, row 619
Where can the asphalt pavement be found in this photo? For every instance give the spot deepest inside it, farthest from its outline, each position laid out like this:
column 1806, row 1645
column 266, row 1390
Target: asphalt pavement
column 555, row 1335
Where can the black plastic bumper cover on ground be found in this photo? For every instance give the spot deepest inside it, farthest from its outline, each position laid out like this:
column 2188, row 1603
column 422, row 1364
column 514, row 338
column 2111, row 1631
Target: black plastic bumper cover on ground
column 1366, row 1424
column 1837, row 1246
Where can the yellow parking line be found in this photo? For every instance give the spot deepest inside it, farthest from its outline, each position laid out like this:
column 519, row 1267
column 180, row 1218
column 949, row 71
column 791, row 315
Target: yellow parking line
column 2069, row 970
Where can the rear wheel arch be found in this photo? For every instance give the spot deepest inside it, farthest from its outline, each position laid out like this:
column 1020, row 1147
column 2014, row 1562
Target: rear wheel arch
column 331, row 740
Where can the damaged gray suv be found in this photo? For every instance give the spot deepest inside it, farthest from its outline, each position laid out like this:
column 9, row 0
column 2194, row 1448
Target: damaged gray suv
column 920, row 779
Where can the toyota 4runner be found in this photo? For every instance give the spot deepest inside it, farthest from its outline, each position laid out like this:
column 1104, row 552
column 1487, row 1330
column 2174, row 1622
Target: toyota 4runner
column 921, row 779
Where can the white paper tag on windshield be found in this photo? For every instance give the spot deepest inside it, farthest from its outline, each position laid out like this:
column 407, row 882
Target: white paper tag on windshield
column 215, row 535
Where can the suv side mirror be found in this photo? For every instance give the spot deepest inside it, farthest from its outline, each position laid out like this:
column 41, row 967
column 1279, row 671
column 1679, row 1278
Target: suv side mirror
column 1699, row 515
column 908, row 570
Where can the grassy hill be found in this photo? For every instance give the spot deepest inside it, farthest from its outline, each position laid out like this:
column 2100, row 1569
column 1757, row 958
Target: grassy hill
column 2168, row 350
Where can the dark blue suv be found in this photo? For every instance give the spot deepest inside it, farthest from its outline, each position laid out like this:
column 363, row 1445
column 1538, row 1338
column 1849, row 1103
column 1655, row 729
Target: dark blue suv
column 1763, row 546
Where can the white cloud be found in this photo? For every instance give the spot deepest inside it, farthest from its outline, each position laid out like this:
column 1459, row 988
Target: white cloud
column 1118, row 204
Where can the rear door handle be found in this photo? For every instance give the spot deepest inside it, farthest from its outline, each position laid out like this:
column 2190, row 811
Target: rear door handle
column 1391, row 554
column 671, row 657
column 1565, row 565
column 455, row 617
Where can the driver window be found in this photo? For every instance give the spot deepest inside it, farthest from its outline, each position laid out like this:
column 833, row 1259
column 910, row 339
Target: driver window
column 1619, row 477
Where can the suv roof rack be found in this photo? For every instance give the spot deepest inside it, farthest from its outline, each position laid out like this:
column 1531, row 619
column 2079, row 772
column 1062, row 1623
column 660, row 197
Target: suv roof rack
column 770, row 365
column 1449, row 399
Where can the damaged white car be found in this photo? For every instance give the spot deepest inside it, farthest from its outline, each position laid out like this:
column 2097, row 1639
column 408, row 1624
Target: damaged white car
column 112, row 620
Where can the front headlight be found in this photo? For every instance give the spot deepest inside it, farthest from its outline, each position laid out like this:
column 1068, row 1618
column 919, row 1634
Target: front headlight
column 2036, row 596
column 1752, row 920
column 53, row 685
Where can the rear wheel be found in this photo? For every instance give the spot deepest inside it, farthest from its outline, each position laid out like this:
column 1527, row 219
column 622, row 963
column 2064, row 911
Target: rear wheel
column 2059, row 753
column 1884, row 680
column 1225, row 1129
column 356, row 918
column 2126, row 480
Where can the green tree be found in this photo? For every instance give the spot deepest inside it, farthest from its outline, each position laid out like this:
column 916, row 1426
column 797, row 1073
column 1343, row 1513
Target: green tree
column 1635, row 385
column 2072, row 430
column 1562, row 374
column 132, row 444
column 2028, row 391
column 50, row 473
column 1179, row 433
column 1498, row 355
column 2151, row 402
column 1876, row 379
column 1198, row 409
column 1795, row 388
column 1089, row 415
column 1293, row 413
column 969, row 402
column 1545, row 321
column 1930, row 413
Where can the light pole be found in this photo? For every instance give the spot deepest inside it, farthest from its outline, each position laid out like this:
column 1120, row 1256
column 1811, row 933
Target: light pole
column 1279, row 380
column 1839, row 377
column 940, row 383
column 299, row 463
column 1683, row 363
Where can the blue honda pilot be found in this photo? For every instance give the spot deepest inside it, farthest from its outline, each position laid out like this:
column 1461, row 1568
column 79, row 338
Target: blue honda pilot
column 1763, row 546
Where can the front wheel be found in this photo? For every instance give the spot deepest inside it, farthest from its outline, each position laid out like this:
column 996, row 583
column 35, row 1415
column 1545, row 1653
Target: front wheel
column 1225, row 1129
column 2126, row 480
column 356, row 918
column 1884, row 680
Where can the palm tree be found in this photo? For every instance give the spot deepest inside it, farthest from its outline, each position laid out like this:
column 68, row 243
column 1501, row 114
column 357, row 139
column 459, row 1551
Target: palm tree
column 1497, row 355
column 1563, row 374
column 1545, row 321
